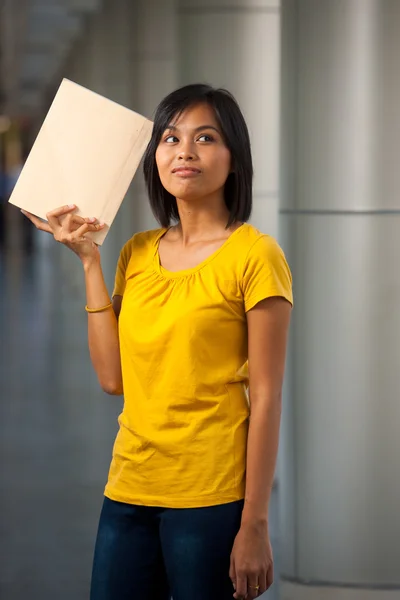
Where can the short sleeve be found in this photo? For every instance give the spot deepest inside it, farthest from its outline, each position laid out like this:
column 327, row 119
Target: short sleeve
column 122, row 265
column 266, row 273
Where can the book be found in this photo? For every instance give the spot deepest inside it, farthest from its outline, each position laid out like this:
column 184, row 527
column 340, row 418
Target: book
column 86, row 153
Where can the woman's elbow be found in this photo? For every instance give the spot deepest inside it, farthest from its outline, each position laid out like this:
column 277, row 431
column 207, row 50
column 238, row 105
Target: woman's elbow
column 113, row 388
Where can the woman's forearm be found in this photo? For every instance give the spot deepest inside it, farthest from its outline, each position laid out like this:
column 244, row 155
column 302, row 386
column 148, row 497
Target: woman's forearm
column 262, row 450
column 102, row 331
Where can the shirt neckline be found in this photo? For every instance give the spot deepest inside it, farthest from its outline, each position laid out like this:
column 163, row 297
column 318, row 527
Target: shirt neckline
column 185, row 272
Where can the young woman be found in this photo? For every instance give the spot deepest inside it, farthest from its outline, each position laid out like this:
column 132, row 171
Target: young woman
column 195, row 338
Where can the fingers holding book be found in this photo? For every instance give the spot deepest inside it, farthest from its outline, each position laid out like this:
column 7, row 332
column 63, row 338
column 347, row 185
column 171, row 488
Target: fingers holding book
column 68, row 228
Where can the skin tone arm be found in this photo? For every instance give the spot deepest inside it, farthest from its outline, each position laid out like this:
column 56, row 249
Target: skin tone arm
column 251, row 559
column 70, row 230
column 103, row 329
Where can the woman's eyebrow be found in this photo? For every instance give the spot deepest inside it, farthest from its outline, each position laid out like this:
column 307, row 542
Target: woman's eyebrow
column 174, row 128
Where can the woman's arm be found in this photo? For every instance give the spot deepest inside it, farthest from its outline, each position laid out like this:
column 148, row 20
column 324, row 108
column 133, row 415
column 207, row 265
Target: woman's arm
column 70, row 229
column 103, row 330
column 251, row 561
column 268, row 325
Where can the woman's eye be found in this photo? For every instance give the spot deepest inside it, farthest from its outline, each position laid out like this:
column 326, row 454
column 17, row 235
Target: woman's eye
column 206, row 138
column 171, row 139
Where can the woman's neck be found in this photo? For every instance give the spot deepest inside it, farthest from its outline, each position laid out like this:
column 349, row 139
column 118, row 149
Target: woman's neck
column 200, row 222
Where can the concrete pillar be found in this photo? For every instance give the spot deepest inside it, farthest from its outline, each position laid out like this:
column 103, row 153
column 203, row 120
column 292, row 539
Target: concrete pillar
column 235, row 44
column 340, row 212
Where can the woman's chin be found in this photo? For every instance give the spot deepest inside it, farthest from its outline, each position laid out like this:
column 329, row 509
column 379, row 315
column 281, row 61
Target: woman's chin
column 188, row 192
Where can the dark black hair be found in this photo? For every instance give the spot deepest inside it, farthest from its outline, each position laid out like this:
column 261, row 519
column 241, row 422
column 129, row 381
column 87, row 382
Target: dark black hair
column 238, row 186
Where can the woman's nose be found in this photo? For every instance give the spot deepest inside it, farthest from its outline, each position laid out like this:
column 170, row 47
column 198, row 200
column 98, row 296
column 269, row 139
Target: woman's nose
column 186, row 152
column 185, row 158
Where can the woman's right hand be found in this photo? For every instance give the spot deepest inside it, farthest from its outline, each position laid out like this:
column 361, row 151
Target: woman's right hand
column 70, row 230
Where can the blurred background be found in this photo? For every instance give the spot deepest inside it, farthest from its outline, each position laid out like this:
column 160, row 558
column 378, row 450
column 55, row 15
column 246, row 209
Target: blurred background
column 319, row 84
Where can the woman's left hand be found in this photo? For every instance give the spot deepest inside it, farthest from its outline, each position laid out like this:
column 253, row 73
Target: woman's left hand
column 251, row 569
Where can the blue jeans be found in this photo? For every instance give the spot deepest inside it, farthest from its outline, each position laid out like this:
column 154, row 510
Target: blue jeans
column 146, row 553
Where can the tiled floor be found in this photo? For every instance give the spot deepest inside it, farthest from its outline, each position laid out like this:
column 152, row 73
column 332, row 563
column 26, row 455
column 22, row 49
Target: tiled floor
column 56, row 431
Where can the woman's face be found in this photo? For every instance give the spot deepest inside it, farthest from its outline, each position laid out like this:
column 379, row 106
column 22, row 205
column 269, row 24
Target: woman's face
column 192, row 158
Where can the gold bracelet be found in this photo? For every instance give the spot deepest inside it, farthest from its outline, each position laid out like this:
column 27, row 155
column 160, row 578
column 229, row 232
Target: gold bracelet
column 96, row 310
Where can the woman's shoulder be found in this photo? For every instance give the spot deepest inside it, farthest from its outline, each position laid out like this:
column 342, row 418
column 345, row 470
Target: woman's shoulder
column 265, row 269
column 262, row 249
column 252, row 239
column 142, row 240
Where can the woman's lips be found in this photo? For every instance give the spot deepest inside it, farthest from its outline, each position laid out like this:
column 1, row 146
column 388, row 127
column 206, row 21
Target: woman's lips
column 186, row 171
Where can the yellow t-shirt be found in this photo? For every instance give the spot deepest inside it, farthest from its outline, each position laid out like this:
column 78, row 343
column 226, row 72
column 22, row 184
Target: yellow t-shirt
column 183, row 340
